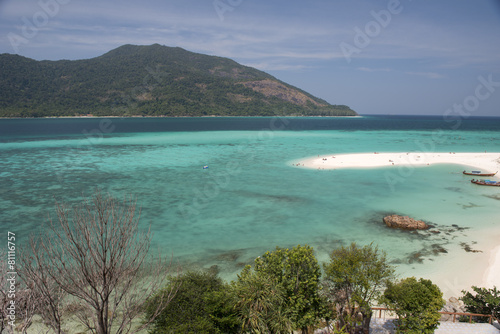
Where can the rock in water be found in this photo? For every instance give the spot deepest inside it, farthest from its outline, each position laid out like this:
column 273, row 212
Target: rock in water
column 405, row 222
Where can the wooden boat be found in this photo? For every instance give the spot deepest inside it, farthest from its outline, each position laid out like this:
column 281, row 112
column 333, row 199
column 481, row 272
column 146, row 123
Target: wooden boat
column 478, row 173
column 486, row 183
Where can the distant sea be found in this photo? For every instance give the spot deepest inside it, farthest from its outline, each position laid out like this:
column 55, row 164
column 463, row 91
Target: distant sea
column 251, row 198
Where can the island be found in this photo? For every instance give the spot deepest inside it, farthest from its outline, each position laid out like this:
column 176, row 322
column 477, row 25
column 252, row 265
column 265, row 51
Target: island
column 152, row 80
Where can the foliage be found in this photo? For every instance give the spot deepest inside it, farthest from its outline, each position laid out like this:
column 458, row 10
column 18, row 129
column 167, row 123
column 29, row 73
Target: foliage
column 416, row 303
column 261, row 303
column 484, row 301
column 355, row 278
column 297, row 271
column 144, row 81
column 203, row 303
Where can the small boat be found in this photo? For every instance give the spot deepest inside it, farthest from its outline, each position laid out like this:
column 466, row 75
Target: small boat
column 205, row 167
column 478, row 173
column 486, row 183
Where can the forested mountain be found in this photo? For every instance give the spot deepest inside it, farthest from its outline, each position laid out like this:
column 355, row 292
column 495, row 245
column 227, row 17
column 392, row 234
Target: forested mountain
column 150, row 80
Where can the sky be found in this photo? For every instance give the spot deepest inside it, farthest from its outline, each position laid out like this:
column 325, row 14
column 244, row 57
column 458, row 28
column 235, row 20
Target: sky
column 419, row 57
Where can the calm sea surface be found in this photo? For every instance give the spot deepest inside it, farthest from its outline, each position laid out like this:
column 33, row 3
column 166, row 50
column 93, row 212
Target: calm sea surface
column 251, row 199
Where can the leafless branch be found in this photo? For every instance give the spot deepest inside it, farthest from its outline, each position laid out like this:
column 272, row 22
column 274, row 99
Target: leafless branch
column 96, row 254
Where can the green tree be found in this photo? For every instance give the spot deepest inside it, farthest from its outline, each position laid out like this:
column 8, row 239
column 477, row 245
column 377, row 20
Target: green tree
column 484, row 301
column 416, row 303
column 298, row 272
column 203, row 303
column 261, row 303
column 355, row 278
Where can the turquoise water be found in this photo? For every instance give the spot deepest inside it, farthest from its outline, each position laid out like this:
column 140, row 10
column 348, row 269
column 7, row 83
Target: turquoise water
column 251, row 198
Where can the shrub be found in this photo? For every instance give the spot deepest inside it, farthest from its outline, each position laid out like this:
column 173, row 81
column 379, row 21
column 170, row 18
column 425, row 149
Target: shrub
column 484, row 301
column 355, row 278
column 297, row 271
column 203, row 303
column 261, row 306
column 416, row 303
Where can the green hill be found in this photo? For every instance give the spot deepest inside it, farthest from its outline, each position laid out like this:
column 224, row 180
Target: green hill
column 150, row 80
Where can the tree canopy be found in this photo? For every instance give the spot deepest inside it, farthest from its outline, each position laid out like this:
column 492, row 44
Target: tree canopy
column 355, row 279
column 482, row 301
column 416, row 303
column 203, row 303
column 288, row 281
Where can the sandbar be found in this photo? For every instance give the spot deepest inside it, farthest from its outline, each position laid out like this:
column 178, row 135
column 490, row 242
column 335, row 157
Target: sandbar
column 483, row 271
column 484, row 162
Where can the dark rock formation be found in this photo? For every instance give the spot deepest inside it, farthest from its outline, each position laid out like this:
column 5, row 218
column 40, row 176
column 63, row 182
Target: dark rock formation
column 405, row 222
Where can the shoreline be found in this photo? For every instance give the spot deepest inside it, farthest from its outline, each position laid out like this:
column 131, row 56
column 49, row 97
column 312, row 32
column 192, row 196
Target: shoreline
column 486, row 162
column 492, row 274
column 483, row 271
column 207, row 116
column 482, row 268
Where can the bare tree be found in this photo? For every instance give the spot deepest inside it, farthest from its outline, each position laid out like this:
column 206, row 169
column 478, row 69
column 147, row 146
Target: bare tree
column 4, row 300
column 27, row 304
column 96, row 254
column 35, row 272
column 17, row 317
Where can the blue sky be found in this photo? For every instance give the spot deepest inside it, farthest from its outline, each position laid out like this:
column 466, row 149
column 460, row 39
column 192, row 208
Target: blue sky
column 379, row 57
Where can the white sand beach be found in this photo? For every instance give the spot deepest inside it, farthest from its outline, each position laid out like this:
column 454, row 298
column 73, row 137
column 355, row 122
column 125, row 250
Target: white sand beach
column 492, row 275
column 485, row 162
column 484, row 271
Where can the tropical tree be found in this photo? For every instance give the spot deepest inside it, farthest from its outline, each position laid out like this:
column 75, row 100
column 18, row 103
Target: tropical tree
column 203, row 303
column 298, row 272
column 416, row 303
column 261, row 304
column 483, row 301
column 355, row 278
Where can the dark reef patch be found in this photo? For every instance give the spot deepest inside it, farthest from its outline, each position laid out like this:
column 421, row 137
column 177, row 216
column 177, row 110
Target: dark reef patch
column 469, row 249
column 470, row 206
column 435, row 240
column 454, row 189
column 497, row 197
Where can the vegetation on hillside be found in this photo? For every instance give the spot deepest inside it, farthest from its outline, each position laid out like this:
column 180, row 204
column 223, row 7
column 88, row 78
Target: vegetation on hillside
column 91, row 266
column 150, row 80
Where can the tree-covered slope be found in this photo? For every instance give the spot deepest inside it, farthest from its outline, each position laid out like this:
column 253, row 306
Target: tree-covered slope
column 150, row 80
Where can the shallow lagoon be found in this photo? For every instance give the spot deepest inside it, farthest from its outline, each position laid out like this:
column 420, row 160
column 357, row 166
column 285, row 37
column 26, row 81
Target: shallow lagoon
column 252, row 198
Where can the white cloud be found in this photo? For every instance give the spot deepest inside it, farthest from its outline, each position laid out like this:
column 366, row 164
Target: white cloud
column 252, row 33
